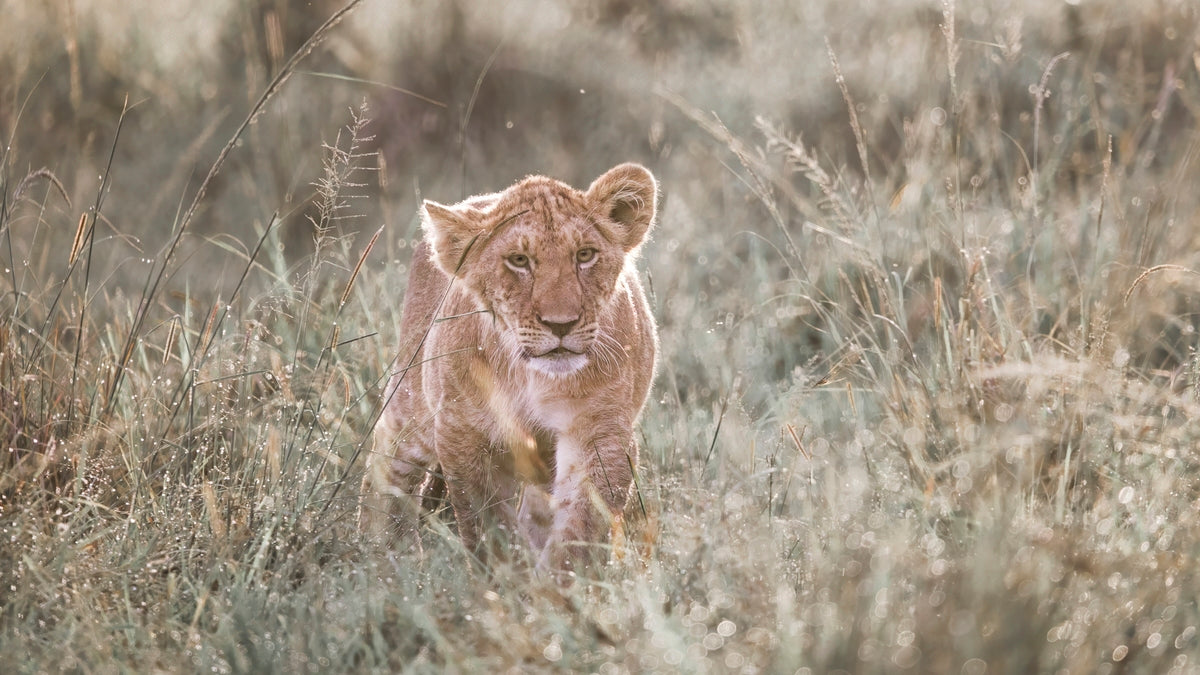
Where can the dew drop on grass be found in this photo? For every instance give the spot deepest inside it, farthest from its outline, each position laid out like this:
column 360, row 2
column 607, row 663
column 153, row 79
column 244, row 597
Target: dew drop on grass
column 974, row 667
column 1121, row 358
column 1125, row 495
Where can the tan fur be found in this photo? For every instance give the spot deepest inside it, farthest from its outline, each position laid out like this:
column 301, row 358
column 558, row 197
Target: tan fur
column 526, row 355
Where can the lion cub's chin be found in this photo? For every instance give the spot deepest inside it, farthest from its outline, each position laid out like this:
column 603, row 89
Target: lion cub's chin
column 558, row 363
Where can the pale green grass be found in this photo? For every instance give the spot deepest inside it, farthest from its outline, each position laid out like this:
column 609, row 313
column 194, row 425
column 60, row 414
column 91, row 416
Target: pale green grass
column 927, row 394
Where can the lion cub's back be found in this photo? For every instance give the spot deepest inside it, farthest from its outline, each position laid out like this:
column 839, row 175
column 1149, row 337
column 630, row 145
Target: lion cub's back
column 426, row 287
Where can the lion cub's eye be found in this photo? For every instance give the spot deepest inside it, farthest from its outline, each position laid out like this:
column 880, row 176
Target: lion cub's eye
column 585, row 255
column 518, row 261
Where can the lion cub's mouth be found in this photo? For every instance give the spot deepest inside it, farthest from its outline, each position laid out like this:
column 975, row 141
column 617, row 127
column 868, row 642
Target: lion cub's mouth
column 558, row 361
column 557, row 352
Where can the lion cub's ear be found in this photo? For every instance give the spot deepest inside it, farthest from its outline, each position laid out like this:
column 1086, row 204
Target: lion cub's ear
column 450, row 230
column 626, row 195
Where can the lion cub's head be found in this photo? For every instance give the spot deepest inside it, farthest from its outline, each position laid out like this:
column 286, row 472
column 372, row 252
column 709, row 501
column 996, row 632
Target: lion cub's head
column 545, row 259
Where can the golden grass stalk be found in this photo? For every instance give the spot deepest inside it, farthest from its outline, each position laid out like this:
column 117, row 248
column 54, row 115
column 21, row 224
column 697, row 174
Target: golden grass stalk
column 1155, row 270
column 77, row 243
column 358, row 266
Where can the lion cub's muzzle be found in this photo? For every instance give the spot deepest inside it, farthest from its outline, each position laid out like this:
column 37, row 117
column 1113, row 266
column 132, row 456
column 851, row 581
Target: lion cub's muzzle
column 558, row 345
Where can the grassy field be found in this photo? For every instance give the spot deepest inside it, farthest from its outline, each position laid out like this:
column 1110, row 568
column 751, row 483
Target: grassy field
column 928, row 281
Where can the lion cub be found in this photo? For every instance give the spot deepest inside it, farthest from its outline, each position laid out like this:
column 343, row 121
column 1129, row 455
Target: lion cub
column 526, row 355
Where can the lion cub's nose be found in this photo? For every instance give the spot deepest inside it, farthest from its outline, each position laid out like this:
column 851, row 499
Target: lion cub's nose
column 559, row 325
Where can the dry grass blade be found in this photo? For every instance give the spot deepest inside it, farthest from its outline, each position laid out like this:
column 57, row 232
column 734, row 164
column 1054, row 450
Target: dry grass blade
column 1107, row 164
column 77, row 243
column 374, row 83
column 952, row 47
column 207, row 330
column 1152, row 271
column 42, row 174
column 860, row 140
column 466, row 118
column 791, row 429
column 172, row 335
column 1040, row 93
column 358, row 267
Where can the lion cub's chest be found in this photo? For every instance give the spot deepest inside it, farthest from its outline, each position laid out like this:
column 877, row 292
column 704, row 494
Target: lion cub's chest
column 547, row 407
column 525, row 405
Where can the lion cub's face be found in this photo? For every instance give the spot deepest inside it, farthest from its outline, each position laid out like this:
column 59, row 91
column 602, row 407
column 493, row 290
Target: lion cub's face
column 545, row 259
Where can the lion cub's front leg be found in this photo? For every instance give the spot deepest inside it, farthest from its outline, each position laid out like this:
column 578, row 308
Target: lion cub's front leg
column 482, row 490
column 593, row 473
column 399, row 465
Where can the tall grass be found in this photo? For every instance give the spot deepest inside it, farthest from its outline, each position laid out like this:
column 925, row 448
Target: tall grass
column 926, row 398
